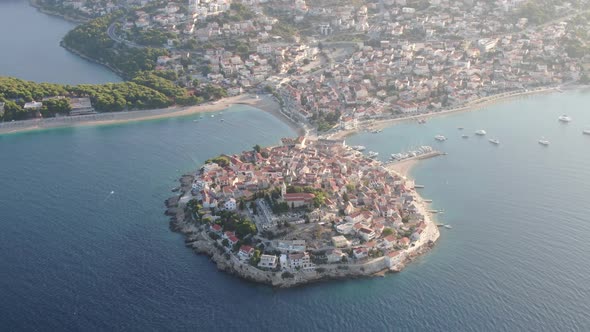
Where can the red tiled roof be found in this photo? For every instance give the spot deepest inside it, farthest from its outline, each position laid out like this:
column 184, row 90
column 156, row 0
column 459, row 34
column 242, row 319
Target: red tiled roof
column 246, row 249
column 299, row 197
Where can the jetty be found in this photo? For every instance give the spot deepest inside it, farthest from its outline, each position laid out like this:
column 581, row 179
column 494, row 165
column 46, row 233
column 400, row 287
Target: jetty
column 428, row 155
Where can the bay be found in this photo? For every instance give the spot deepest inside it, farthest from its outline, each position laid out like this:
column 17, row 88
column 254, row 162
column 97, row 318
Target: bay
column 73, row 257
column 30, row 50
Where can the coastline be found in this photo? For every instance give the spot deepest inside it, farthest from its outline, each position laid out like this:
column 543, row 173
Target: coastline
column 196, row 238
column 93, row 60
column 35, row 3
column 264, row 103
column 77, row 20
column 469, row 106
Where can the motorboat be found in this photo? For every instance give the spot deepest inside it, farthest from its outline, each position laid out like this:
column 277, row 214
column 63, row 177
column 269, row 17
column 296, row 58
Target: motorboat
column 373, row 154
column 480, row 132
column 440, row 138
column 564, row 118
column 465, row 136
column 544, row 142
column 586, row 132
column 359, row 148
column 494, row 141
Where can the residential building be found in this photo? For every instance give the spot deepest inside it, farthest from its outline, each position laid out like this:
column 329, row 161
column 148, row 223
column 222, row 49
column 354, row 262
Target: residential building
column 268, row 261
column 335, row 255
column 245, row 252
column 300, row 261
column 339, row 241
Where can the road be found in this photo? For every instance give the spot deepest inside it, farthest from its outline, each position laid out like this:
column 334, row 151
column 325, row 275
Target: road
column 113, row 35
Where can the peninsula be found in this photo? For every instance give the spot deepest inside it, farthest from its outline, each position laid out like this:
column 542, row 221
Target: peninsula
column 304, row 211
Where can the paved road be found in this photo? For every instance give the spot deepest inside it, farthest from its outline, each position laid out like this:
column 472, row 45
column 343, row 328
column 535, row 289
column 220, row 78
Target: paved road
column 113, row 35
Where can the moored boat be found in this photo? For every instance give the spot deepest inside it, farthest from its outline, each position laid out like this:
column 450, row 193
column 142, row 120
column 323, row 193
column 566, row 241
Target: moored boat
column 544, row 142
column 494, row 141
column 586, row 132
column 564, row 118
column 480, row 132
column 440, row 138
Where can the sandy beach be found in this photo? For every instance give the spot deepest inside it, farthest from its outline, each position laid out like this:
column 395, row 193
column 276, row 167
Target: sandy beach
column 264, row 102
column 470, row 106
column 403, row 167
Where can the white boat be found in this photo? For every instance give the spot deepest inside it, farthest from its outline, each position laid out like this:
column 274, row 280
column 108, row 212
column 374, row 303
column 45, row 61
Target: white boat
column 448, row 226
column 586, row 132
column 465, row 136
column 359, row 148
column 543, row 142
column 440, row 138
column 372, row 154
column 480, row 132
column 494, row 141
column 564, row 118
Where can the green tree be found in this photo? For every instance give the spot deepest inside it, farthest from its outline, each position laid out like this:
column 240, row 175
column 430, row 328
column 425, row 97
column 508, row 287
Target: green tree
column 387, row 232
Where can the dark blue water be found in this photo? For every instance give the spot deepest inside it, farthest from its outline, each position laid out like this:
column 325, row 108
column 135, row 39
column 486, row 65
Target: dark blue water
column 30, row 50
column 74, row 258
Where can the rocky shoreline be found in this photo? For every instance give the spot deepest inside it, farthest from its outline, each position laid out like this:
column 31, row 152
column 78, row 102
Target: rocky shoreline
column 196, row 238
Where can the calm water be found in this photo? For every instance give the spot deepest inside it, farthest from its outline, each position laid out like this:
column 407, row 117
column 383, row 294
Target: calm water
column 29, row 48
column 74, row 258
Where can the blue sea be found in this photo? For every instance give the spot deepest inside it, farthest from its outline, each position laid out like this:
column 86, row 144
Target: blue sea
column 75, row 257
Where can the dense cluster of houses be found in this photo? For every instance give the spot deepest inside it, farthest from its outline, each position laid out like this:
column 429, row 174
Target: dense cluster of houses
column 266, row 54
column 374, row 212
column 427, row 60
column 415, row 56
column 418, row 58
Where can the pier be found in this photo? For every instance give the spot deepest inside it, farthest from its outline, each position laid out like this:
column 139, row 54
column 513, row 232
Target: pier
column 419, row 157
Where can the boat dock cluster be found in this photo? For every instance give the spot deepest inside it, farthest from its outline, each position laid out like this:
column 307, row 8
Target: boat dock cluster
column 422, row 152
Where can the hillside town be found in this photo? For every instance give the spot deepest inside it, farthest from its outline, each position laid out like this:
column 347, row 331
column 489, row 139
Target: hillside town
column 420, row 60
column 335, row 66
column 307, row 207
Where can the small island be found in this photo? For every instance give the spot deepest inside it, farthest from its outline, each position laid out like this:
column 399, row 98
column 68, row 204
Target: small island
column 304, row 211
